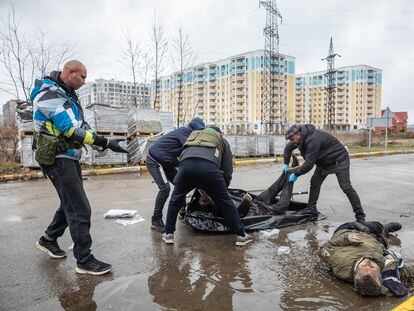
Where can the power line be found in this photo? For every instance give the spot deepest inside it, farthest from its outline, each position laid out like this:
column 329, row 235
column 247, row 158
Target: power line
column 350, row 11
column 348, row 26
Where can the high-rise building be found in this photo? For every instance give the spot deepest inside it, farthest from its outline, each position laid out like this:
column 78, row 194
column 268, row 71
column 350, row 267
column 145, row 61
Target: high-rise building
column 9, row 113
column 228, row 92
column 357, row 97
column 114, row 93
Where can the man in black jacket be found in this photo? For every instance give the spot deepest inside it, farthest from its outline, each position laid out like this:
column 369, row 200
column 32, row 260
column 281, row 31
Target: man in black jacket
column 329, row 155
column 205, row 163
column 162, row 163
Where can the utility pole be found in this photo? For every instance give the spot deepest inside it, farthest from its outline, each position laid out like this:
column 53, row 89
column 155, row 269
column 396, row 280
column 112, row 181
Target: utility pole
column 330, row 87
column 271, row 110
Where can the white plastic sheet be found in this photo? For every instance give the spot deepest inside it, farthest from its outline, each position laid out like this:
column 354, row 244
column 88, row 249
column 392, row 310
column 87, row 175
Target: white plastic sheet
column 134, row 220
column 269, row 233
column 120, row 213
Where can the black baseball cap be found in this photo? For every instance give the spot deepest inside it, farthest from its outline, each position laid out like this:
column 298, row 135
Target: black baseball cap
column 292, row 131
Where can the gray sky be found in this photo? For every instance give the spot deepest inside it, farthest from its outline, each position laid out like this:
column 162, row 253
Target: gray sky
column 378, row 33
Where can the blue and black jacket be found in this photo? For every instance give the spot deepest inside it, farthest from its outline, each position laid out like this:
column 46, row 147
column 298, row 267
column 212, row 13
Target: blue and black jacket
column 57, row 112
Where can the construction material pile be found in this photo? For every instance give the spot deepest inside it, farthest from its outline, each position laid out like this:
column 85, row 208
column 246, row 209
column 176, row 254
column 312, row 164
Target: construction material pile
column 110, row 122
column 24, row 121
column 144, row 127
column 24, row 116
column 256, row 146
column 107, row 119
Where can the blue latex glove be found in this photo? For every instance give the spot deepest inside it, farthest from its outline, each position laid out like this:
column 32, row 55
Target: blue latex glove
column 293, row 178
column 285, row 167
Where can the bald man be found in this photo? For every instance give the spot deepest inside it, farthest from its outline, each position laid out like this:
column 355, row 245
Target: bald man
column 60, row 133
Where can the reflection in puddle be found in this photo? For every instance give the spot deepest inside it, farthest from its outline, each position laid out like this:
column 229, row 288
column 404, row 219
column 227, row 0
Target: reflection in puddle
column 214, row 276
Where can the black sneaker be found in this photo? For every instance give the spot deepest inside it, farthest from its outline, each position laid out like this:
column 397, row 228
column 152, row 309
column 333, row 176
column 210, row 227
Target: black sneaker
column 50, row 247
column 312, row 211
column 93, row 266
column 158, row 225
column 392, row 227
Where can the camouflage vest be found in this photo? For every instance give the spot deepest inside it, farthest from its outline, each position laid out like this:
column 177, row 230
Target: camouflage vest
column 207, row 137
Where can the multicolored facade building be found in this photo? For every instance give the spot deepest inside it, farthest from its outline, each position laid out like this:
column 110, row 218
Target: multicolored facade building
column 357, row 97
column 229, row 92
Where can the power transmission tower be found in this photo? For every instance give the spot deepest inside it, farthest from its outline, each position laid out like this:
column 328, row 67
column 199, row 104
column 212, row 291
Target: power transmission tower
column 270, row 108
column 330, row 87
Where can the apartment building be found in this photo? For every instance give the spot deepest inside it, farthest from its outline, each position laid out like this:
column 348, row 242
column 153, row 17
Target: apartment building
column 114, row 93
column 228, row 92
column 9, row 113
column 357, row 97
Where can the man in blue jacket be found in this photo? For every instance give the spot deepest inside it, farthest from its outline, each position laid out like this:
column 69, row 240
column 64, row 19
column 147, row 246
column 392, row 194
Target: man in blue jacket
column 162, row 163
column 330, row 157
column 60, row 133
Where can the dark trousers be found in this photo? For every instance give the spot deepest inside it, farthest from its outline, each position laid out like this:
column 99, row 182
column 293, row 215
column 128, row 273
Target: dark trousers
column 282, row 186
column 341, row 170
column 74, row 210
column 205, row 175
column 162, row 176
column 372, row 227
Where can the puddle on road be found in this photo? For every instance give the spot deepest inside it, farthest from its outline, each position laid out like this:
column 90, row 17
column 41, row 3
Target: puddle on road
column 201, row 277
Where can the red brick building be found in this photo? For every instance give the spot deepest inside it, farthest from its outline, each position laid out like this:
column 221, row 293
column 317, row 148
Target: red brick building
column 398, row 124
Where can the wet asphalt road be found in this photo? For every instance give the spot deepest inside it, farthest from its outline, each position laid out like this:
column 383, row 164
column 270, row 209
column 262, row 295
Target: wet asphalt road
column 200, row 272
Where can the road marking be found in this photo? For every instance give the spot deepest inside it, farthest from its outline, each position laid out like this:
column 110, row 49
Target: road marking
column 406, row 305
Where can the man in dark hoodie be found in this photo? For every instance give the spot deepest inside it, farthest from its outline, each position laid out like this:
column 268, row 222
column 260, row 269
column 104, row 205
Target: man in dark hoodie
column 205, row 163
column 60, row 133
column 162, row 163
column 330, row 157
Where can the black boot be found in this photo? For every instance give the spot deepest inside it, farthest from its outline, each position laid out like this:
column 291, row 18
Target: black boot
column 392, row 227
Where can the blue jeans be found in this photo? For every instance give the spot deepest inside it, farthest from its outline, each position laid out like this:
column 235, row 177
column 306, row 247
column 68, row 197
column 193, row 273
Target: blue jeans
column 203, row 174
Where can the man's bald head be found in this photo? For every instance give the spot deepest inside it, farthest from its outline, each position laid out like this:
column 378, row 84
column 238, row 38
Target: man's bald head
column 74, row 74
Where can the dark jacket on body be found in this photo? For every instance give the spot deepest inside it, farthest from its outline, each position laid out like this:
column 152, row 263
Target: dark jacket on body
column 316, row 147
column 224, row 161
column 168, row 147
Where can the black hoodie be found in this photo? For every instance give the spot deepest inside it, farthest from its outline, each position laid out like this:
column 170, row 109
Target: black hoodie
column 316, row 147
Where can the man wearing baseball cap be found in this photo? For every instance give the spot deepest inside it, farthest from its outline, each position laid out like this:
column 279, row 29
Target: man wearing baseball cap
column 330, row 157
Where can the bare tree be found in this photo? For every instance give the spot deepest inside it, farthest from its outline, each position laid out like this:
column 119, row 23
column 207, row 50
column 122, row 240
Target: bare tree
column 8, row 144
column 159, row 48
column 22, row 59
column 182, row 58
column 46, row 57
column 145, row 65
column 131, row 56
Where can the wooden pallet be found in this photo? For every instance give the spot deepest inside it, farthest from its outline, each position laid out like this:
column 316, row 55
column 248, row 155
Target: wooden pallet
column 24, row 134
column 105, row 133
column 131, row 136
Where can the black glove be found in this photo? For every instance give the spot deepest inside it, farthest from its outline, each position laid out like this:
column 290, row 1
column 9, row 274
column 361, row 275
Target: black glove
column 113, row 144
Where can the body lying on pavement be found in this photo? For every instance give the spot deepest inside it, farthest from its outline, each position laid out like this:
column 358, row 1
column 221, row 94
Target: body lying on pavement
column 358, row 253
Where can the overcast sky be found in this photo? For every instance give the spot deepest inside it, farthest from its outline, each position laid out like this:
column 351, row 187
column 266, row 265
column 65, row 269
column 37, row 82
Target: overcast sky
column 378, row 33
